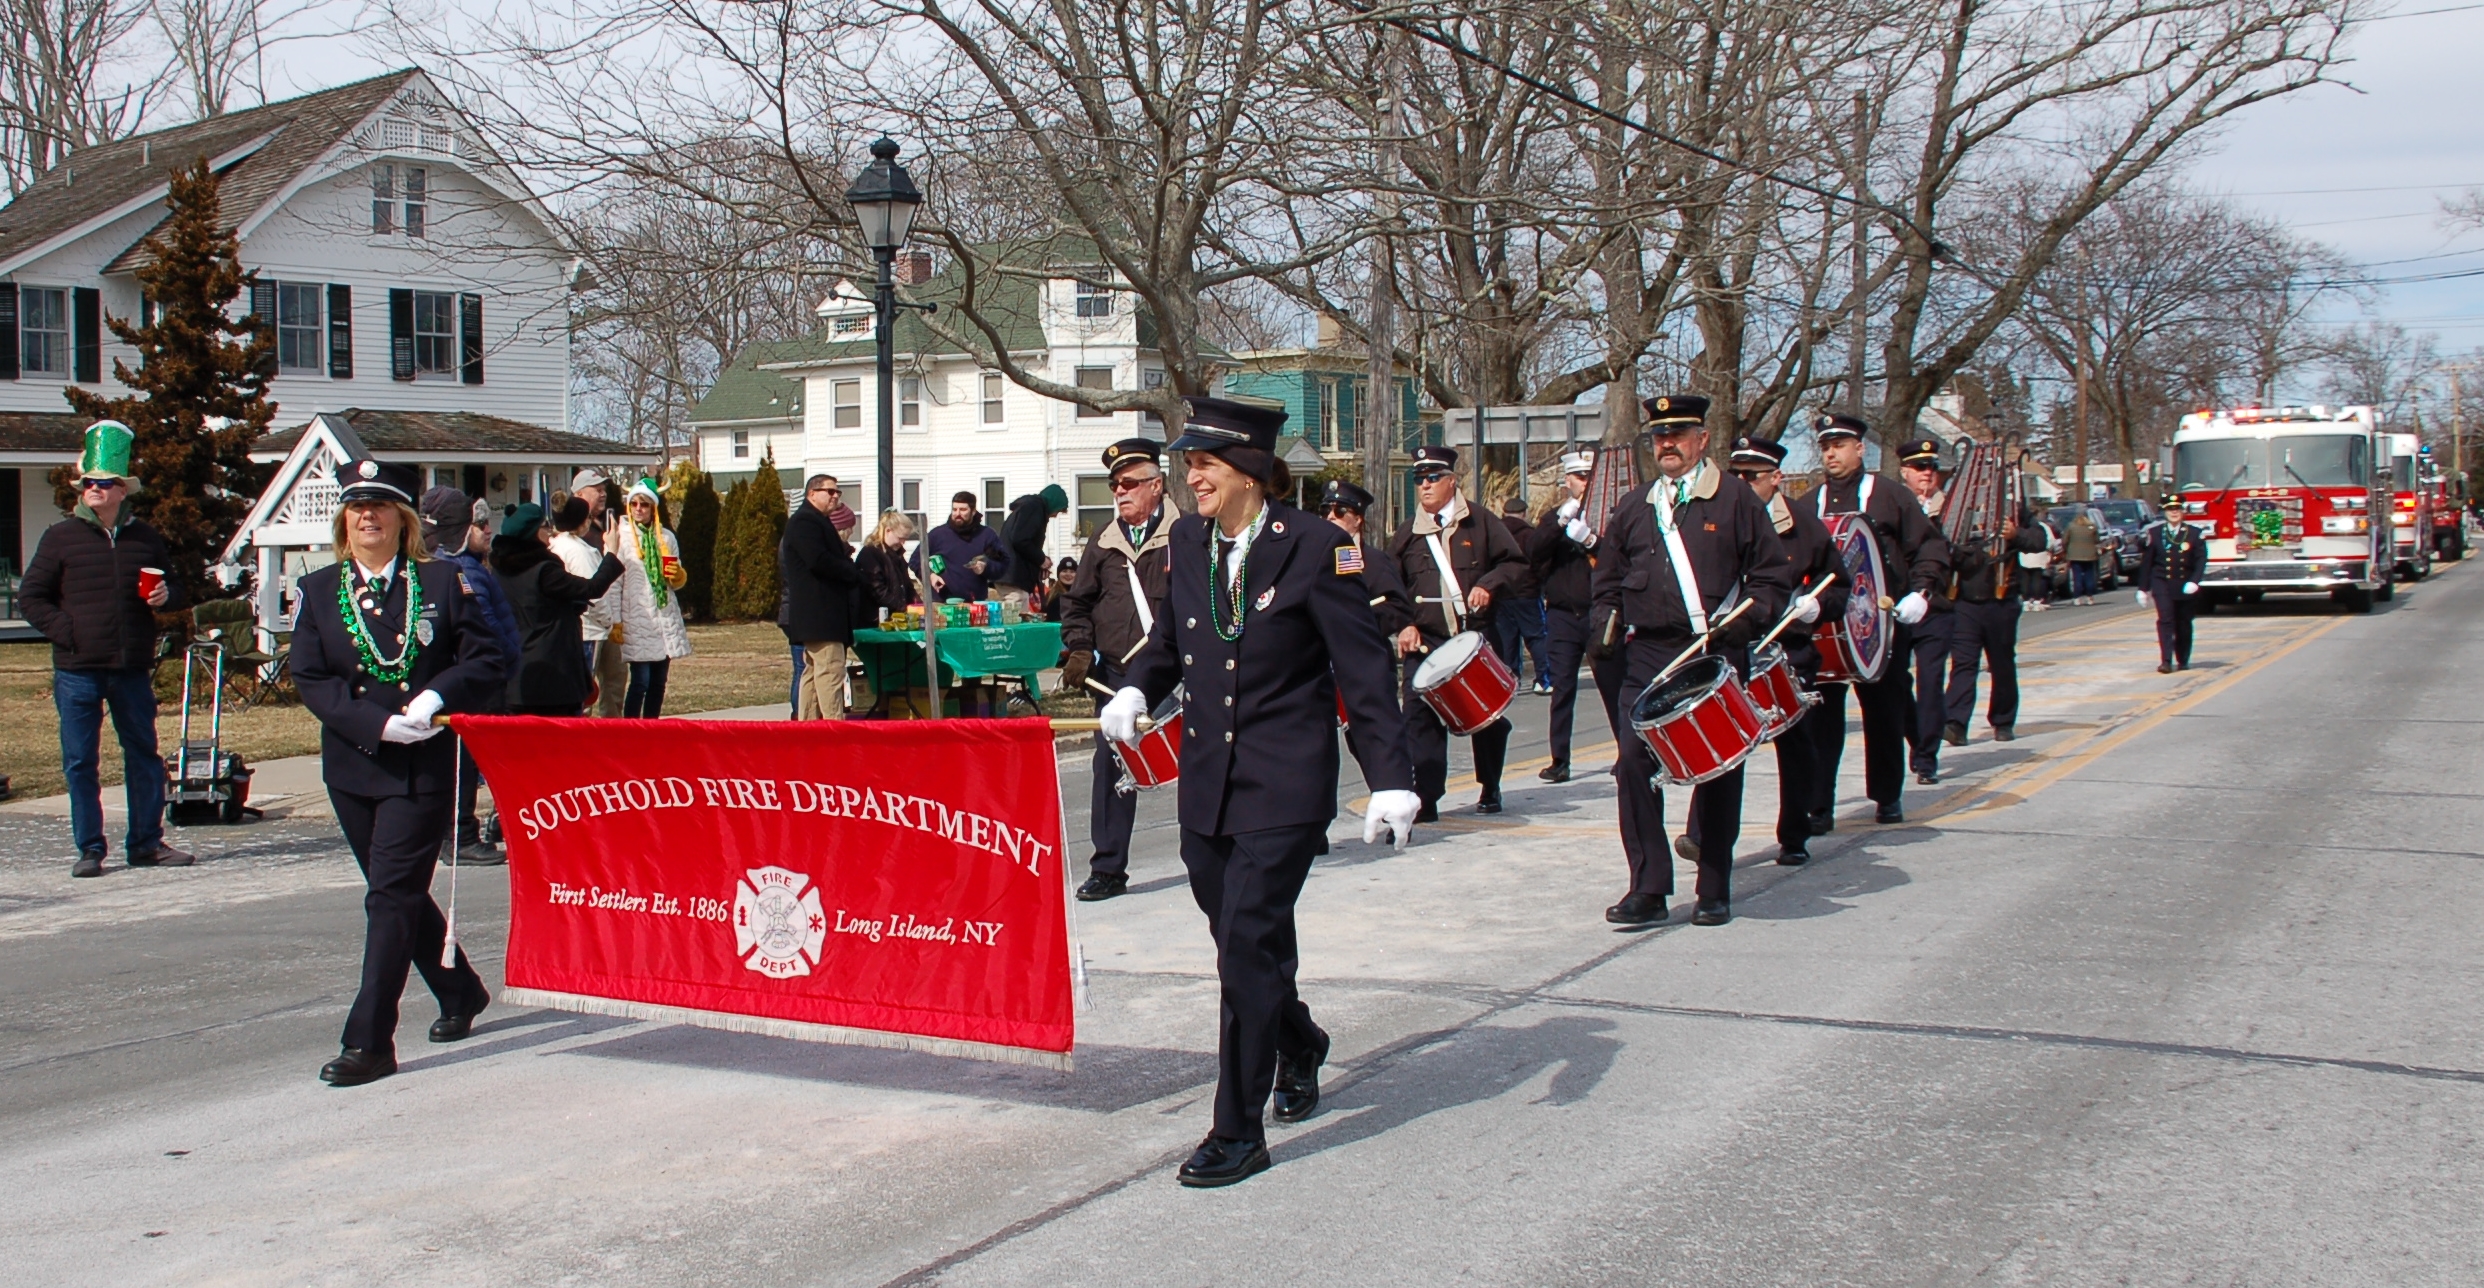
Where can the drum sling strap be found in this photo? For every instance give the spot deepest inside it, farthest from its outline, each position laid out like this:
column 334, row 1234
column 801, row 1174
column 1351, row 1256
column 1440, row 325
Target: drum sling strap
column 1669, row 524
column 1138, row 600
column 1452, row 596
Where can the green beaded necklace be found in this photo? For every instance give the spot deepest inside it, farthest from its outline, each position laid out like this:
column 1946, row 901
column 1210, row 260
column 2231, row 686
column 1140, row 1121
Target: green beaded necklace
column 386, row 670
column 1241, row 584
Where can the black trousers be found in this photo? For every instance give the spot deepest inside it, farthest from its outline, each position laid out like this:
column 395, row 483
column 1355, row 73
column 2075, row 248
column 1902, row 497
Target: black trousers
column 1715, row 805
column 2173, row 625
column 1797, row 790
column 1111, row 814
column 1246, row 883
column 1884, row 702
column 1987, row 634
column 396, row 840
column 1930, row 646
column 469, row 782
column 1428, row 740
column 1565, row 646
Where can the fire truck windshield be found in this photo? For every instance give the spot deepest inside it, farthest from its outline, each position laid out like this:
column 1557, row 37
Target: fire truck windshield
column 2289, row 460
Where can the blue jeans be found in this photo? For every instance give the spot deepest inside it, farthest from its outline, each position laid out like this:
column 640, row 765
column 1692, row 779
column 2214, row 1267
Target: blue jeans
column 793, row 696
column 80, row 696
column 644, row 699
column 2083, row 577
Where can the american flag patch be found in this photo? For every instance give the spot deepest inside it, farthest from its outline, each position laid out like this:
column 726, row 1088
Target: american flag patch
column 1349, row 559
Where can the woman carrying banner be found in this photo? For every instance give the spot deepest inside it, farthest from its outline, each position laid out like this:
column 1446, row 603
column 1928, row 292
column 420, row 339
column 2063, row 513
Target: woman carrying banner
column 650, row 615
column 1267, row 604
column 385, row 639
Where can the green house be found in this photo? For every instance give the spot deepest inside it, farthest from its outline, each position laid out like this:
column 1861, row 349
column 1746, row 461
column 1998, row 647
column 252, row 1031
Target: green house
column 1326, row 392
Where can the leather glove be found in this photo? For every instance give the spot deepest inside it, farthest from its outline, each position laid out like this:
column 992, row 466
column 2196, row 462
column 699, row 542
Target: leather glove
column 1806, row 609
column 402, row 728
column 1074, row 671
column 1118, row 721
column 2142, row 597
column 2190, row 588
column 1911, row 609
column 1394, row 810
column 1603, row 635
column 425, row 705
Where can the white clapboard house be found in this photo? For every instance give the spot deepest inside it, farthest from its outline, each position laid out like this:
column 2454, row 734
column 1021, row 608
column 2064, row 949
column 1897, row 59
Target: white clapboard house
column 415, row 283
column 960, row 426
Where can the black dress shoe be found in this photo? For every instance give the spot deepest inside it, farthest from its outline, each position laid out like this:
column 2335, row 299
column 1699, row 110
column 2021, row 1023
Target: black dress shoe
column 1793, row 856
column 1430, row 813
column 1219, row 1161
column 1889, row 814
column 1686, row 847
column 1297, row 1087
column 2164, row 668
column 1712, row 912
column 1637, row 910
column 456, row 1024
column 1954, row 734
column 357, row 1066
column 1488, row 803
column 162, row 856
column 1556, row 772
column 1928, row 777
column 1823, row 823
column 1104, row 885
column 88, row 865
column 2004, row 733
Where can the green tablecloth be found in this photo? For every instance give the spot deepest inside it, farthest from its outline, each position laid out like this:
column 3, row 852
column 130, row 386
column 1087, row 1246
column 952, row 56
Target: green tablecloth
column 966, row 652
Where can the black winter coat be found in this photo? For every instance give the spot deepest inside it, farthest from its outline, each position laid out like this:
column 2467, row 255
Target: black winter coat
column 1810, row 556
column 1481, row 552
column 1022, row 536
column 462, row 663
column 2177, row 556
column 81, row 591
column 887, row 582
column 1562, row 568
column 1976, row 567
column 547, row 600
column 1733, row 551
column 1912, row 551
column 821, row 582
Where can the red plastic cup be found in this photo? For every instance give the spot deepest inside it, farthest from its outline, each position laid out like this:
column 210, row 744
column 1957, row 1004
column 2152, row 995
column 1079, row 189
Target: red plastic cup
column 150, row 580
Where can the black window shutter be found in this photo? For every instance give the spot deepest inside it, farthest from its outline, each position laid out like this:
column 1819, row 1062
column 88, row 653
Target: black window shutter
column 400, row 334
column 470, row 336
column 8, row 331
column 340, row 331
column 86, row 333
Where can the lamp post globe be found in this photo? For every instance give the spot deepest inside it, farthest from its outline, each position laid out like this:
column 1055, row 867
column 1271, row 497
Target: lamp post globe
column 885, row 200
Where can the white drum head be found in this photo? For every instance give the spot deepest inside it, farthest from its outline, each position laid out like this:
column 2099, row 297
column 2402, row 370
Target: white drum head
column 1443, row 662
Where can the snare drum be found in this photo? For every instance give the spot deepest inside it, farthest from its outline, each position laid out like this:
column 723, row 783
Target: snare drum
column 1700, row 722
column 1466, row 682
column 1779, row 695
column 1156, row 758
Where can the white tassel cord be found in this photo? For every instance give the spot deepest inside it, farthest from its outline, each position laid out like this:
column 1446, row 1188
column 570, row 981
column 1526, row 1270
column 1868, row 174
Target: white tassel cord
column 1069, row 894
column 457, row 784
column 797, row 1030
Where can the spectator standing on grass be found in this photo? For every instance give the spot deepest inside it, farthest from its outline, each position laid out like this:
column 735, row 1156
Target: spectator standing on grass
column 1022, row 535
column 821, row 585
column 453, row 529
column 83, row 590
column 601, row 627
column 2079, row 547
column 649, row 619
column 548, row 674
column 963, row 554
column 1064, row 575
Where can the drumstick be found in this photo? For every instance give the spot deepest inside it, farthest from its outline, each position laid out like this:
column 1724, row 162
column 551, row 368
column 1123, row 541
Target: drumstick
column 1699, row 643
column 1101, row 687
column 1788, row 619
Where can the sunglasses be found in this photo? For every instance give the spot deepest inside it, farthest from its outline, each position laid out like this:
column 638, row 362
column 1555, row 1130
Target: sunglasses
column 1134, row 484
column 1332, row 511
column 100, row 485
column 829, row 490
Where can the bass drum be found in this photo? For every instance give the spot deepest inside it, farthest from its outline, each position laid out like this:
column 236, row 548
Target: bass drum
column 1855, row 648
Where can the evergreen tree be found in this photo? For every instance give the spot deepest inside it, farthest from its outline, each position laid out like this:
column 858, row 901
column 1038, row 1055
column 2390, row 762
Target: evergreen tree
column 748, row 528
column 200, row 390
column 725, row 595
column 690, row 497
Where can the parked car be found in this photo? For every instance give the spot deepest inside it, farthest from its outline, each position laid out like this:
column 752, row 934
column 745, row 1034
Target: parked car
column 2129, row 519
column 2108, row 548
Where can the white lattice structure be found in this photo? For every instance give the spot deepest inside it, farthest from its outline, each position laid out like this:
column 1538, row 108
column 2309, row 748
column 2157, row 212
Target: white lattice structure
column 291, row 529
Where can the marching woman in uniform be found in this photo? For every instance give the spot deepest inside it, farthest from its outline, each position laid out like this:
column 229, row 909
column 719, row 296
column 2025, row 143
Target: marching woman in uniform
column 386, row 638
column 1267, row 621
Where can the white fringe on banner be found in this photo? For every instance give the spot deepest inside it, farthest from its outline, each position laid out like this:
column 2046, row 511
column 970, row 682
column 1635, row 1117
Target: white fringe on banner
column 798, row 1030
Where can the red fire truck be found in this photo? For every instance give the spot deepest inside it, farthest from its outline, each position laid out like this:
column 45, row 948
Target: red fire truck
column 2292, row 500
column 2410, row 508
column 2449, row 510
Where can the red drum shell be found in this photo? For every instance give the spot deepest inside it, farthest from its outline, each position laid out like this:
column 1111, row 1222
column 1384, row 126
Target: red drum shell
column 1777, row 692
column 1699, row 723
column 1466, row 682
column 1838, row 663
column 1342, row 721
column 1156, row 758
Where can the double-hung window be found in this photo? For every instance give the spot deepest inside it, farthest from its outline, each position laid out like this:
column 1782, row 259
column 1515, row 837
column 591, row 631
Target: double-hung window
column 43, row 330
column 1094, row 301
column 741, row 444
column 1094, row 378
column 991, row 398
column 417, row 200
column 847, row 401
column 301, row 336
column 435, row 333
column 910, row 402
column 383, row 198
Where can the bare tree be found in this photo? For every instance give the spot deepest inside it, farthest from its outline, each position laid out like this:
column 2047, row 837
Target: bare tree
column 61, row 86
column 2382, row 365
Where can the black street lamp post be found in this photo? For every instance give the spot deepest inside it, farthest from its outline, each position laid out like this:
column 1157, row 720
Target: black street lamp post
column 885, row 200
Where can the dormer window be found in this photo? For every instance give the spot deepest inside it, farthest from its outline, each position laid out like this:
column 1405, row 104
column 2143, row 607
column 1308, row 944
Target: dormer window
column 388, row 186
column 857, row 325
column 417, row 200
column 1094, row 301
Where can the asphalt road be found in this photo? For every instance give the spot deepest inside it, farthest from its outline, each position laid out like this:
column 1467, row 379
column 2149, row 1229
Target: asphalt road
column 2178, row 988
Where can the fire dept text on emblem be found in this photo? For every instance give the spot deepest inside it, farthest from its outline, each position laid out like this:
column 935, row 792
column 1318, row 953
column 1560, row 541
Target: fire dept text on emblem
column 777, row 925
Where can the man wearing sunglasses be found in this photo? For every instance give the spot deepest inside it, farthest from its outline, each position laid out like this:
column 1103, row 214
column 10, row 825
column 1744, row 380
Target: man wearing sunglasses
column 1105, row 619
column 93, row 587
column 820, row 581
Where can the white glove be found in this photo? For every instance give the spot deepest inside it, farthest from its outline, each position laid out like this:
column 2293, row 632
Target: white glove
column 2142, row 597
column 1576, row 530
column 2190, row 588
column 408, row 729
column 425, row 705
column 1806, row 609
column 1911, row 609
column 1396, row 811
column 1118, row 721
column 1568, row 511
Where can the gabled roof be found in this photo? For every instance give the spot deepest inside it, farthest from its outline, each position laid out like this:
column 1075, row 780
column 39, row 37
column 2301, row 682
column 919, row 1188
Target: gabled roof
column 744, row 392
column 1012, row 303
column 97, row 181
column 450, row 433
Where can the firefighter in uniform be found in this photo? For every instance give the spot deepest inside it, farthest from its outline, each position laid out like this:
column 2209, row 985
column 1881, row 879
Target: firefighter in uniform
column 1987, row 628
column 1919, row 464
column 1106, row 616
column 1265, row 625
column 1912, row 556
column 1560, row 553
column 1345, row 504
column 1669, row 560
column 2169, row 578
column 385, row 639
column 1455, row 560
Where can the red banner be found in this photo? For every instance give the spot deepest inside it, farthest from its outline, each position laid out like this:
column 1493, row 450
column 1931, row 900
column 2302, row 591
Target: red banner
column 887, row 883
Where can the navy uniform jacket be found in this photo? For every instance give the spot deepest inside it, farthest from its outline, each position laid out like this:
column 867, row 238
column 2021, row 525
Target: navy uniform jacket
column 2177, row 556
column 1733, row 549
column 1913, row 553
column 1810, row 556
column 1481, row 551
column 463, row 663
column 1979, row 570
column 1391, row 603
column 1259, row 718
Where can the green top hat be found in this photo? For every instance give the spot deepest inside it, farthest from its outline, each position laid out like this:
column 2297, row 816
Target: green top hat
column 107, row 451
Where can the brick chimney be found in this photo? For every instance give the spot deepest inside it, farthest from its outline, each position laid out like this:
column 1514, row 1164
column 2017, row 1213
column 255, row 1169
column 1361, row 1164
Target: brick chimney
column 914, row 267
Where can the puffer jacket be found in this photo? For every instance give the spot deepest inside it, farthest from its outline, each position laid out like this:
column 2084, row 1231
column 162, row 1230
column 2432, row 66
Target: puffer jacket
column 81, row 591
column 549, row 669
column 649, row 632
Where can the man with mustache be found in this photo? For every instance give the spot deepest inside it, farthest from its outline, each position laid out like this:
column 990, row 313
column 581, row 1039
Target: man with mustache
column 1457, row 562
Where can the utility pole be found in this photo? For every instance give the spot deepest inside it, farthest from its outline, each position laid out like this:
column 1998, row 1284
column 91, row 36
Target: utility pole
column 1380, row 398
column 2078, row 418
